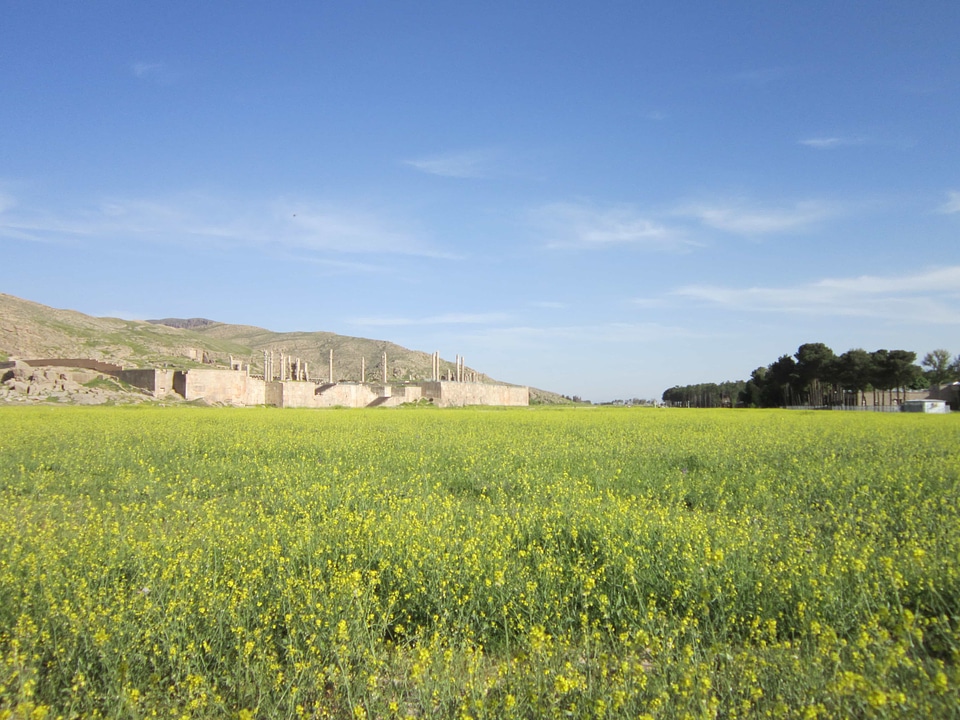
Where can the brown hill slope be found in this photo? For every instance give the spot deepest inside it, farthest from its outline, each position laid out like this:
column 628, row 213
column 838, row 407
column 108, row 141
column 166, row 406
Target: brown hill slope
column 31, row 330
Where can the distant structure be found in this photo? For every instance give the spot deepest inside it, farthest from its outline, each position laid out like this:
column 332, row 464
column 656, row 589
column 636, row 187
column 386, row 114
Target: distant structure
column 936, row 407
column 286, row 383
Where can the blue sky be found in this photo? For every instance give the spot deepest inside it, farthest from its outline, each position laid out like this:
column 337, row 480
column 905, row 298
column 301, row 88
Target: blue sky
column 602, row 199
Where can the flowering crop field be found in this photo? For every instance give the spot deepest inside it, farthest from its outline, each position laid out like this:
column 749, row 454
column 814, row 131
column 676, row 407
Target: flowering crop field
column 192, row 562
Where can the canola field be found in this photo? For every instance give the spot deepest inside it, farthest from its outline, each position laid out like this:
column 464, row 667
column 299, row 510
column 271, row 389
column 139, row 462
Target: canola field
column 478, row 563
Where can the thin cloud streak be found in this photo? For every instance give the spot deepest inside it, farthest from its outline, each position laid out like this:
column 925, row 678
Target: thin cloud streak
column 743, row 219
column 649, row 302
column 930, row 297
column 603, row 333
column 827, row 143
column 587, row 226
column 445, row 319
column 194, row 219
column 952, row 205
column 152, row 71
column 7, row 202
column 340, row 267
column 467, row 164
column 327, row 229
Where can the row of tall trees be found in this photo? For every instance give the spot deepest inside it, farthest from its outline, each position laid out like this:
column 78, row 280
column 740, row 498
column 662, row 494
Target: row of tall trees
column 815, row 375
column 705, row 395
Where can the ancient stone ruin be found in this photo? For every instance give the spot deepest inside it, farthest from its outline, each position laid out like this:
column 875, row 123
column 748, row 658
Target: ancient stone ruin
column 286, row 382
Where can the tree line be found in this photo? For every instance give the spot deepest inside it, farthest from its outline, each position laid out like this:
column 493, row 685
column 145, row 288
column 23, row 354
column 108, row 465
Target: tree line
column 816, row 376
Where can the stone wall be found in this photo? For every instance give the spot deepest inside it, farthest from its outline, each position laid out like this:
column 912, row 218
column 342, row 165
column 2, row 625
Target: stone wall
column 108, row 368
column 273, row 393
column 457, row 394
column 326, row 395
column 220, row 386
column 237, row 388
column 156, row 382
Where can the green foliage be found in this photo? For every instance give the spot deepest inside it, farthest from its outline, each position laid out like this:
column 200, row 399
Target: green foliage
column 104, row 384
column 520, row 563
column 705, row 395
column 815, row 376
column 939, row 369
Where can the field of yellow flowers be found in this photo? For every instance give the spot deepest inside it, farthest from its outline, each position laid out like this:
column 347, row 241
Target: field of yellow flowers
column 478, row 563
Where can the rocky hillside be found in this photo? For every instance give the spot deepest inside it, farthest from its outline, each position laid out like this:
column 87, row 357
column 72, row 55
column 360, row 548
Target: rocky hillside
column 23, row 384
column 29, row 330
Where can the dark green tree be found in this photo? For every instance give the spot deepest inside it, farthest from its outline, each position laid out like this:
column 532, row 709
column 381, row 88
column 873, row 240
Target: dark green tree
column 853, row 371
column 881, row 379
column 813, row 365
column 902, row 370
column 752, row 393
column 782, row 384
column 937, row 363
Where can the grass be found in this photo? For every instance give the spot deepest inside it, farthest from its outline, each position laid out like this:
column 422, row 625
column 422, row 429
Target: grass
column 103, row 383
column 451, row 563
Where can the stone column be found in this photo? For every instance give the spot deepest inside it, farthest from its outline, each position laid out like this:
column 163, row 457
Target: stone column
column 331, row 365
column 384, row 363
column 363, row 371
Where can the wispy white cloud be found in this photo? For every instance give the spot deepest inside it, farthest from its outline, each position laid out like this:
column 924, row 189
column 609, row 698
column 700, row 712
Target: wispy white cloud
column 153, row 71
column 926, row 297
column 462, row 164
column 339, row 267
column 550, row 305
column 599, row 333
column 649, row 302
column 319, row 227
column 746, row 219
column 445, row 319
column 952, row 205
column 589, row 226
column 202, row 220
column 830, row 142
column 7, row 202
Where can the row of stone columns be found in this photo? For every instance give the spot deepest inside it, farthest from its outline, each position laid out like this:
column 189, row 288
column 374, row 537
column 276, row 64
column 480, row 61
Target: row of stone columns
column 295, row 369
column 289, row 368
